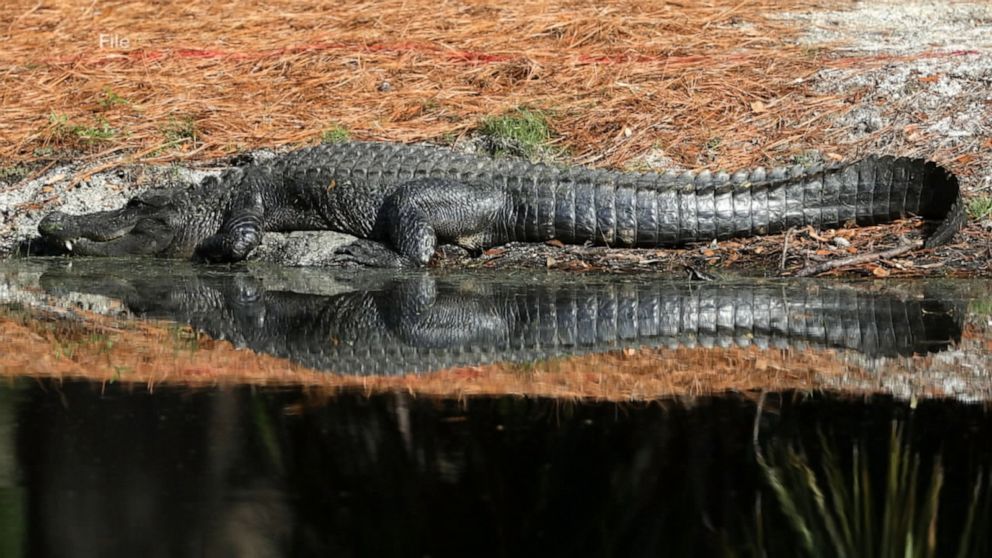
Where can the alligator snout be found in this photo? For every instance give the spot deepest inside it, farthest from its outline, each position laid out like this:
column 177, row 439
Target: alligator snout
column 54, row 224
column 101, row 226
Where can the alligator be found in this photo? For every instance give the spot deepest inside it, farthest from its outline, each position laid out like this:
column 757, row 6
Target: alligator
column 401, row 201
column 387, row 325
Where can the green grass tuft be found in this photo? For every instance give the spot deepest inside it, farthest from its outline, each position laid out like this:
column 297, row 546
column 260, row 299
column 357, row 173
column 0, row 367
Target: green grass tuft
column 980, row 208
column 62, row 129
column 335, row 134
column 110, row 99
column 981, row 307
column 522, row 132
column 181, row 130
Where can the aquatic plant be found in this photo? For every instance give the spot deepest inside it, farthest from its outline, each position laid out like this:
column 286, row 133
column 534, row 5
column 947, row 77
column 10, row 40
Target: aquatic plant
column 826, row 506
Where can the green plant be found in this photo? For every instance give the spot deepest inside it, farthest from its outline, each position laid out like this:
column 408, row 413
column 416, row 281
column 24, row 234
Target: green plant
column 834, row 507
column 980, row 307
column 980, row 208
column 65, row 130
column 335, row 134
column 181, row 130
column 109, row 99
column 12, row 173
column 521, row 132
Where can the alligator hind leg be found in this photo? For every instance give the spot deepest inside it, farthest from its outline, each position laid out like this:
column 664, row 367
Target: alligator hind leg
column 422, row 213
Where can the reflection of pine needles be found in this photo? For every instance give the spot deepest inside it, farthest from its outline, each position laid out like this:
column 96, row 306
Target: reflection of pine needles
column 835, row 512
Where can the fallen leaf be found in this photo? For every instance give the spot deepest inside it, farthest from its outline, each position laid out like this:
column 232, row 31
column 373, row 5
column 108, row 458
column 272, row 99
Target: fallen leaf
column 556, row 243
column 709, row 253
column 495, row 252
column 758, row 107
column 880, row 272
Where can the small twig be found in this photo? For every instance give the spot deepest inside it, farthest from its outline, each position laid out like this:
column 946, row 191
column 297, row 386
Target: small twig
column 859, row 259
column 785, row 247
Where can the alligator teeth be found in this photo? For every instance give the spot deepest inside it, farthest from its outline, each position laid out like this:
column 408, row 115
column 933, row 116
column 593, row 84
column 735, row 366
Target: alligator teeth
column 68, row 245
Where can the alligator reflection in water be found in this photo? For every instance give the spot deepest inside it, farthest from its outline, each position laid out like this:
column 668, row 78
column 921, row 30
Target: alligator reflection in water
column 397, row 324
column 113, row 470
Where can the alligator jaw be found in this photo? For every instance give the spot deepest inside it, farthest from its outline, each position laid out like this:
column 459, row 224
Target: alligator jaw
column 88, row 244
column 102, row 226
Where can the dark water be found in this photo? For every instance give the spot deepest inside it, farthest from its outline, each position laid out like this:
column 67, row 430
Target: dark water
column 119, row 471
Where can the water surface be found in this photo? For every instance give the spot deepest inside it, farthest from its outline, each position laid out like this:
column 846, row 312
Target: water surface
column 163, row 409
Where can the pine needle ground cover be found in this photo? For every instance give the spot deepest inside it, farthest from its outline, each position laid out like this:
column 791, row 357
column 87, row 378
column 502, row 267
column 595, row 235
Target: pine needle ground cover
column 719, row 83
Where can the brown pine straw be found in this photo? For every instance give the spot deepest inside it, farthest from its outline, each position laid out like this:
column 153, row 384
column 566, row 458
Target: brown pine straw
column 713, row 83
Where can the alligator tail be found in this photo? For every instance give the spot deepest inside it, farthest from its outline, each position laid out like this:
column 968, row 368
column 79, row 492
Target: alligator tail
column 634, row 209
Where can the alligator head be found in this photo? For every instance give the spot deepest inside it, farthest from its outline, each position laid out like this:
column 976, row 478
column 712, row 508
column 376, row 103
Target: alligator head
column 155, row 223
column 145, row 226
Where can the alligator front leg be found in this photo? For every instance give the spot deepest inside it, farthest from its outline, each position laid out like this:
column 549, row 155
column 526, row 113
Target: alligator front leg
column 244, row 223
column 239, row 235
column 422, row 213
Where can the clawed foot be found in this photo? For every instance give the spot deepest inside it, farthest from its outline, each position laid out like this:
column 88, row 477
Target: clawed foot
column 368, row 253
column 226, row 247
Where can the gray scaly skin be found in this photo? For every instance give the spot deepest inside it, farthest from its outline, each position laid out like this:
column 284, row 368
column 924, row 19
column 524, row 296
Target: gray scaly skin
column 404, row 200
column 421, row 323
